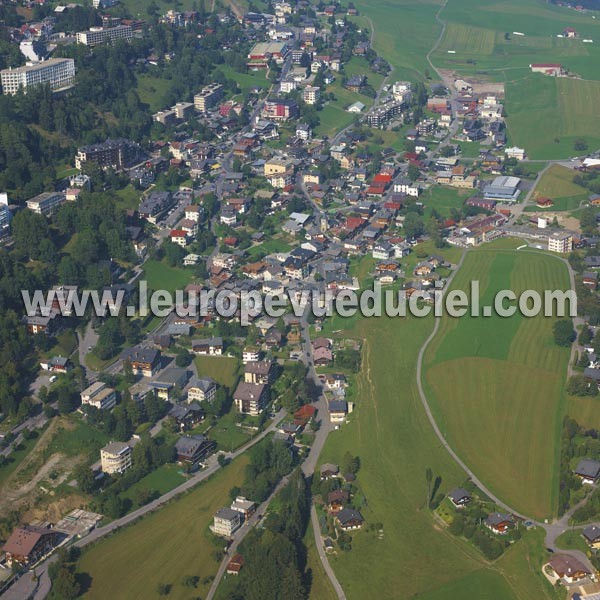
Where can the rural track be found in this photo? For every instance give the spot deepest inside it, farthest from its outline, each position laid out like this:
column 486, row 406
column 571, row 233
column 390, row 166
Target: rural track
column 554, row 529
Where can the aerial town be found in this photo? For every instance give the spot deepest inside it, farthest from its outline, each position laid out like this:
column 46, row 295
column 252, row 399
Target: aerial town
column 287, row 148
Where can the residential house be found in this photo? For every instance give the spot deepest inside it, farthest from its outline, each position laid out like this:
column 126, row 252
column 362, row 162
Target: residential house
column 258, row 372
column 143, row 361
column 187, row 415
column 588, row 470
column 202, row 390
column 99, row 395
column 27, row 544
column 250, row 398
column 336, row 500
column 329, row 470
column 338, row 409
column 349, row 519
column 591, row 534
column 244, row 506
column 192, row 449
column 499, row 523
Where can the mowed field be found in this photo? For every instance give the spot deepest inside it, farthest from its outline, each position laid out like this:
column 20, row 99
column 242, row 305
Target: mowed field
column 546, row 115
column 496, row 385
column 481, row 34
column 164, row 547
column 390, row 433
column 557, row 183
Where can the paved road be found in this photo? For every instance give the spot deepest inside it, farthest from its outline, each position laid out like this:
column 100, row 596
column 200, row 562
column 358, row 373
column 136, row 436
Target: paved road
column 554, row 529
column 22, row 588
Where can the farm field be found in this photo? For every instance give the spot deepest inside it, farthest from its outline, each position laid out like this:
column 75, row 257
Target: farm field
column 480, row 38
column 390, row 433
column 557, row 184
column 174, row 542
column 481, row 392
column 584, row 410
column 546, row 115
column 405, row 30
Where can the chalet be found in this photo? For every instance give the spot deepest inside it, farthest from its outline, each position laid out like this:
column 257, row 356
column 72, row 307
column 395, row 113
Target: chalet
column 338, row 409
column 424, row 268
column 187, row 415
column 460, row 497
column 258, row 372
column 323, row 356
column 356, row 83
column 349, row 519
column 543, row 202
column 588, row 470
column 329, row 470
column 335, row 381
column 499, row 523
column 336, row 500
column 193, row 449
column 212, row 346
column 591, row 534
column 143, row 361
column 568, row 568
column 28, row 544
column 234, row 566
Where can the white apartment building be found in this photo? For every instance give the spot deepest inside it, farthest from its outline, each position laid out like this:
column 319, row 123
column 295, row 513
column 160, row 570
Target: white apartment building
column 226, row 522
column 100, row 35
column 311, row 94
column 59, row 73
column 46, row 203
column 115, row 457
column 208, row 97
column 99, row 395
column 561, row 242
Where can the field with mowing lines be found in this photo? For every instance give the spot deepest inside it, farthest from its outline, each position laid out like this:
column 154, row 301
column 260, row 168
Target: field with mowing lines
column 170, row 544
column 547, row 115
column 479, row 374
column 390, row 433
column 468, row 40
column 557, row 184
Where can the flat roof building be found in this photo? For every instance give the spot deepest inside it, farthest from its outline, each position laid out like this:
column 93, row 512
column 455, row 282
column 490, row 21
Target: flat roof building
column 115, row 457
column 58, row 73
column 99, row 35
column 46, row 203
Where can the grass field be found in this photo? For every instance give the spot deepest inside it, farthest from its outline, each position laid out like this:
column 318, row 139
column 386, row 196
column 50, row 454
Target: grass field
column 164, row 547
column 572, row 540
column 221, row 368
column 405, row 30
column 320, row 588
column 585, row 410
column 443, row 199
column 557, row 184
column 390, row 433
column 270, row 246
column 161, row 276
column 479, row 373
column 152, row 91
column 246, row 81
column 164, row 479
column 546, row 115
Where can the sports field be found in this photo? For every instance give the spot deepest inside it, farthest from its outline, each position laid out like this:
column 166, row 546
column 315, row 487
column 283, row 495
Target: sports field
column 546, row 115
column 163, row 547
column 496, row 385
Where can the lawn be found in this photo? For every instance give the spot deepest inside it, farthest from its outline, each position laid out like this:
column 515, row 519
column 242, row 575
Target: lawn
column 152, row 91
column 246, row 81
column 585, row 410
column 162, row 480
column 128, row 198
column 489, row 584
column 546, row 115
column 161, row 276
column 75, row 437
column 572, row 540
column 442, row 199
column 478, row 374
column 222, row 369
column 320, row 586
column 16, row 456
column 164, row 547
column 557, row 184
column 270, row 246
column 226, row 432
